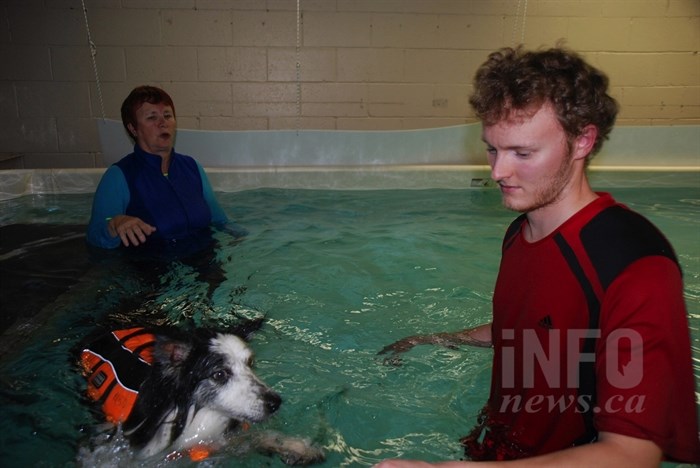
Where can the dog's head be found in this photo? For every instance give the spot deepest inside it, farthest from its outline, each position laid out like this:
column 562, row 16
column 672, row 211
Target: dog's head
column 190, row 384
column 213, row 372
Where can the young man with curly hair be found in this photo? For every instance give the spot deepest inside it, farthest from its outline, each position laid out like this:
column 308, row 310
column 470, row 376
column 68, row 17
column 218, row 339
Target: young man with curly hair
column 592, row 361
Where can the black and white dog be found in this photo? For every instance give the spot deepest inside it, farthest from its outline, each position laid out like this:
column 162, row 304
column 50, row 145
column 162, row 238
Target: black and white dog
column 177, row 393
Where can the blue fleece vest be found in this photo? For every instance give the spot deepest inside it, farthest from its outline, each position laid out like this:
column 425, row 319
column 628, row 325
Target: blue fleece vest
column 173, row 203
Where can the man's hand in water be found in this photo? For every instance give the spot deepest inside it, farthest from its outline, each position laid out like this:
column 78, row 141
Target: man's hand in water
column 478, row 336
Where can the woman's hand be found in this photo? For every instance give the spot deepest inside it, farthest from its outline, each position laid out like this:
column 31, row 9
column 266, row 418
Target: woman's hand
column 130, row 229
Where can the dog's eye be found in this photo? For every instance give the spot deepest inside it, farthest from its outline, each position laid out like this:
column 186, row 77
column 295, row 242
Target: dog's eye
column 221, row 376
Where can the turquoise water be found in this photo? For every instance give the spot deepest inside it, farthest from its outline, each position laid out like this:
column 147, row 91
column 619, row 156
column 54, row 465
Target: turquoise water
column 338, row 275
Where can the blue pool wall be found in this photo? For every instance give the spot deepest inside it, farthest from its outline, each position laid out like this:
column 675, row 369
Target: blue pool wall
column 665, row 146
column 449, row 157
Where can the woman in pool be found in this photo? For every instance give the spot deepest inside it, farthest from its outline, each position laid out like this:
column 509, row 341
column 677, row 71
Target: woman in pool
column 153, row 193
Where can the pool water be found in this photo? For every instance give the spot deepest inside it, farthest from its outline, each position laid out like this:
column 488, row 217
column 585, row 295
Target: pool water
column 338, row 275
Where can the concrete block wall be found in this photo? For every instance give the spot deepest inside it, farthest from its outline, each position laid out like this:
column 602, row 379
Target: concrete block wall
column 363, row 64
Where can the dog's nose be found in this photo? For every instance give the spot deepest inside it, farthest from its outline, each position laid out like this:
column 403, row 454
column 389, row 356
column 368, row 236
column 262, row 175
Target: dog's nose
column 272, row 402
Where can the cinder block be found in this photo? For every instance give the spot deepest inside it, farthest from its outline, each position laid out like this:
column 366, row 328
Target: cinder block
column 625, row 69
column 232, row 64
column 404, row 31
column 472, row 31
column 8, row 101
column 558, row 8
column 334, row 92
column 202, row 99
column 660, row 115
column 621, row 122
column 29, row 63
column 197, row 27
column 318, row 65
column 370, row 65
column 437, row 31
column 455, row 97
column 459, row 7
column 266, row 109
column 636, row 8
column 53, row 98
column 43, row 26
column 71, row 63
column 315, row 64
column 663, row 96
column 409, row 100
column 599, row 34
column 188, row 122
column 125, row 27
column 282, row 65
column 337, row 29
column 682, row 69
column 539, row 32
column 437, row 66
column 171, row 4
column 161, row 64
column 664, row 34
column 5, row 36
column 113, row 95
column 77, row 135
column 364, row 64
column 306, row 5
column 90, row 4
column 264, row 28
column 264, row 92
column 336, row 109
column 231, row 5
column 74, row 63
column 24, row 3
column 28, row 134
column 111, row 63
column 683, row 8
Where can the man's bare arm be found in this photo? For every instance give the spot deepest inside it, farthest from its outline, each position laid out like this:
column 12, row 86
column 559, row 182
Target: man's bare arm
column 478, row 336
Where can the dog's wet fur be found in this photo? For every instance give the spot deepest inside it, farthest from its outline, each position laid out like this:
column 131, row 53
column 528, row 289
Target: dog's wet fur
column 201, row 386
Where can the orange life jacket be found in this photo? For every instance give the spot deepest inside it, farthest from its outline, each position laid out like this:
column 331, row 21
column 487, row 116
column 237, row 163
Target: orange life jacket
column 115, row 366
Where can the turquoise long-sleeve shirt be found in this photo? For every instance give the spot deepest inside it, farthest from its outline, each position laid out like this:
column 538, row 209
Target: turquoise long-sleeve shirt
column 178, row 204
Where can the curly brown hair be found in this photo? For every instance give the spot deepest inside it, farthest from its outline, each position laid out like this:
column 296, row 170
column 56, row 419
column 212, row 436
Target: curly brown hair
column 135, row 100
column 513, row 79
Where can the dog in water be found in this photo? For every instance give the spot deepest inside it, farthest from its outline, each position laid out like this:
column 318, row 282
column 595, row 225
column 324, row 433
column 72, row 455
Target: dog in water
column 177, row 394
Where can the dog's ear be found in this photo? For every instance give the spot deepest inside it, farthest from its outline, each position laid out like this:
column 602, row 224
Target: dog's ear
column 170, row 354
column 177, row 351
column 246, row 328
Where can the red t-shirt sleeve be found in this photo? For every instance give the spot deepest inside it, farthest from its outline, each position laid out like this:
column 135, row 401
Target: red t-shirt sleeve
column 645, row 383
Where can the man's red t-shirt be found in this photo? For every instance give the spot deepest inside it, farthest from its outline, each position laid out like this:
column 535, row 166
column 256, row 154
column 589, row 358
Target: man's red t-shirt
column 610, row 265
